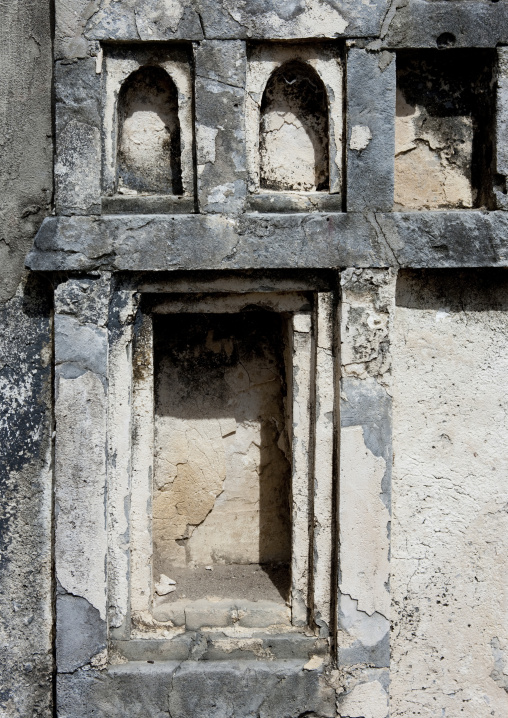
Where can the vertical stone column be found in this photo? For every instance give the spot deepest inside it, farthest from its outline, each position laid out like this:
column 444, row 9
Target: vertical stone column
column 323, row 465
column 78, row 134
column 220, row 129
column 367, row 310
column 301, row 368
column 500, row 186
column 370, row 151
column 81, row 358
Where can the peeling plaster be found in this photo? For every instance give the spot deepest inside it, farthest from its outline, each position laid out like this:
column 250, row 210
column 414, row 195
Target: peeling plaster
column 363, row 525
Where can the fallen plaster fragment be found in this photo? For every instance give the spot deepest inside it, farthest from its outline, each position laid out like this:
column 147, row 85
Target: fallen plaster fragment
column 165, row 585
column 360, row 137
column 314, row 664
column 366, row 700
column 166, row 580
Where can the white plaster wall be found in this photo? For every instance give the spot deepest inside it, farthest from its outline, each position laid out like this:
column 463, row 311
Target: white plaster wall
column 450, row 512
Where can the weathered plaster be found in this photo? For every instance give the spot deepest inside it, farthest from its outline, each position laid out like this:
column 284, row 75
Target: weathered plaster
column 448, row 584
column 263, row 61
column 363, row 520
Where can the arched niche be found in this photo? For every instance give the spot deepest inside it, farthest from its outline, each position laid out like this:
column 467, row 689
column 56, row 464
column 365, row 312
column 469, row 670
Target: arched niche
column 149, row 138
column 293, row 131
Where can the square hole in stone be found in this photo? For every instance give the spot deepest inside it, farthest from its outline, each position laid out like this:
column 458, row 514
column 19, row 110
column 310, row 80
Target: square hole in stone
column 221, row 488
column 444, row 129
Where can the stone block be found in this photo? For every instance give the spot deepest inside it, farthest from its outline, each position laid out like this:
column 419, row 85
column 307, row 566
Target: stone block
column 220, row 69
column 370, row 130
column 214, row 614
column 195, row 689
column 261, row 614
column 153, row 21
column 78, row 137
column 441, row 24
column 84, row 346
column 80, row 633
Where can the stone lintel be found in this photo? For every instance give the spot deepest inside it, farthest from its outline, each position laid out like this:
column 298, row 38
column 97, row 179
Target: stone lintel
column 443, row 24
column 271, row 241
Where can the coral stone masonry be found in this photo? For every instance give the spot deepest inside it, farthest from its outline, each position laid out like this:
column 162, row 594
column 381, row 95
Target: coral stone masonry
column 253, row 359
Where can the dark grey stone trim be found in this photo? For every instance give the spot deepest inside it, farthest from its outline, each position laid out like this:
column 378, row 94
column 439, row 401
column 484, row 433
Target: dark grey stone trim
column 271, row 241
column 285, row 202
column 370, row 110
column 230, row 20
column 80, row 632
column 206, row 646
column 197, row 689
column 439, row 23
column 167, row 204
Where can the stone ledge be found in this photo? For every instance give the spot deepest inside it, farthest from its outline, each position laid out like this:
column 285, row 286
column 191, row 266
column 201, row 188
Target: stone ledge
column 271, row 241
column 198, row 689
column 218, row 646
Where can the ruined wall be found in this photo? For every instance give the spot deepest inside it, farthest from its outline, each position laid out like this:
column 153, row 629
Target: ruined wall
column 323, row 160
column 449, row 581
column 26, row 616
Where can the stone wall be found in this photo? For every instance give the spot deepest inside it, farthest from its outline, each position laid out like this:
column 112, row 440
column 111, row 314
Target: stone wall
column 26, row 157
column 252, row 359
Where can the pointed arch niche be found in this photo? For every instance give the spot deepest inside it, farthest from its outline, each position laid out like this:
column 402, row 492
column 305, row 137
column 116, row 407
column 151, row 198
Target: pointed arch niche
column 294, row 127
column 148, row 138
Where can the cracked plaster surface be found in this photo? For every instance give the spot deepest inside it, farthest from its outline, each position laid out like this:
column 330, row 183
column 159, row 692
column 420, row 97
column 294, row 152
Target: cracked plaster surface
column 220, row 464
column 450, row 514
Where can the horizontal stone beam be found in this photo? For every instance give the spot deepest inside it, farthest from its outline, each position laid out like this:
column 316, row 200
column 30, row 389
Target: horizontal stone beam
column 271, row 241
column 447, row 24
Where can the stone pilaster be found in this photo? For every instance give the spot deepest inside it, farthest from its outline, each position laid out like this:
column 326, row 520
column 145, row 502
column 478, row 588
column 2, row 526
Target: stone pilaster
column 367, row 308
column 81, row 358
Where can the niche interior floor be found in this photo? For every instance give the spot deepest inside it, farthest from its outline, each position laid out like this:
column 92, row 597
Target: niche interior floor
column 250, row 582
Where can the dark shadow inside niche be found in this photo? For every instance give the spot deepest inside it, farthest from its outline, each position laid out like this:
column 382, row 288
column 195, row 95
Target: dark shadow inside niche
column 222, row 475
column 293, row 133
column 444, row 128
column 459, row 290
column 149, row 143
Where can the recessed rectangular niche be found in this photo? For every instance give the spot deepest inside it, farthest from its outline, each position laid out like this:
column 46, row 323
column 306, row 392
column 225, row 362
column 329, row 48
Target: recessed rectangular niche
column 224, row 444
column 444, row 129
column 148, row 133
column 222, row 477
column 293, row 120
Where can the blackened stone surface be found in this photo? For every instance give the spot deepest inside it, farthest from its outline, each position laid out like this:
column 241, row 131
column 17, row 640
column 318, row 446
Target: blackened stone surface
column 223, row 19
column 26, row 151
column 208, row 242
column 370, row 106
column 25, row 364
column 436, row 23
column 447, row 239
column 225, row 689
column 25, row 503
